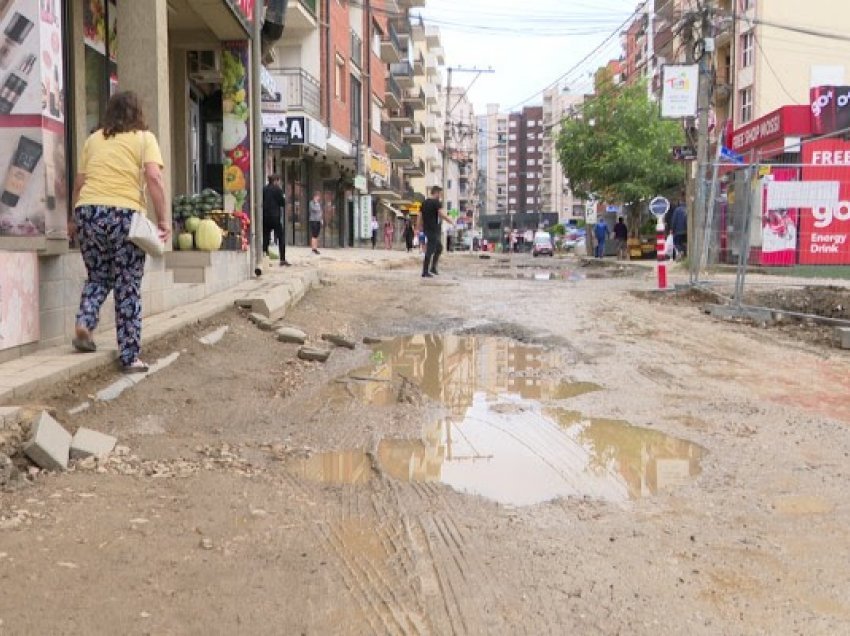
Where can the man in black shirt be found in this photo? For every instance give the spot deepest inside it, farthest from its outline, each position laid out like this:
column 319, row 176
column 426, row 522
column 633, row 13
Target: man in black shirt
column 429, row 221
column 274, row 204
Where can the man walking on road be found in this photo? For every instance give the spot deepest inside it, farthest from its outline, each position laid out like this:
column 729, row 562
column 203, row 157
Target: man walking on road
column 621, row 235
column 430, row 215
column 274, row 211
column 601, row 233
column 679, row 229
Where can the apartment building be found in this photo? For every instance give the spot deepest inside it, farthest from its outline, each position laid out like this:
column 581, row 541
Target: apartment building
column 493, row 158
column 555, row 192
column 525, row 160
column 461, row 150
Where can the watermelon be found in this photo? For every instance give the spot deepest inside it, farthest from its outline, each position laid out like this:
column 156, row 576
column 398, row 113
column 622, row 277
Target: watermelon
column 208, row 236
column 185, row 241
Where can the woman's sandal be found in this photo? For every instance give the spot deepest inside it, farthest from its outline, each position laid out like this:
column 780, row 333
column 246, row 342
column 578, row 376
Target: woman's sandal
column 136, row 367
column 83, row 343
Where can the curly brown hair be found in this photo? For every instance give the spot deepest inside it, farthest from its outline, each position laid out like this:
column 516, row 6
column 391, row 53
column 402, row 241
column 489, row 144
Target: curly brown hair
column 123, row 114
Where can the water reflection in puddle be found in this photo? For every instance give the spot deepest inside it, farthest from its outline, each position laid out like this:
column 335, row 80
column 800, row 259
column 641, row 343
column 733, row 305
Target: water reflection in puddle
column 503, row 438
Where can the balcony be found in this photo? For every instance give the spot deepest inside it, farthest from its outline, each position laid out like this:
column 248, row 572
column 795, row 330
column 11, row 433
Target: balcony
column 415, row 98
column 392, row 135
column 431, row 66
column 440, row 54
column 390, row 46
column 417, row 169
column 402, row 156
column 419, row 64
column 356, row 50
column 401, row 116
column 392, row 94
column 430, row 94
column 403, row 74
column 432, row 36
column 414, row 134
column 301, row 16
column 431, row 124
column 387, row 189
column 301, row 91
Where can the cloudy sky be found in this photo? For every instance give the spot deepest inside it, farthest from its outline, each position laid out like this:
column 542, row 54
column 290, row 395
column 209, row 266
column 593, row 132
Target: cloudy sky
column 528, row 44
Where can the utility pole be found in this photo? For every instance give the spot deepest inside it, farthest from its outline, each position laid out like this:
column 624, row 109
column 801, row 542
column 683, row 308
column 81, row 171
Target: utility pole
column 704, row 49
column 257, row 154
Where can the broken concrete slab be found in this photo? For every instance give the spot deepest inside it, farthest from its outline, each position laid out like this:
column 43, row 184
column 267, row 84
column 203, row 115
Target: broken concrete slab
column 89, row 443
column 291, row 334
column 842, row 337
column 339, row 341
column 50, row 445
column 314, row 354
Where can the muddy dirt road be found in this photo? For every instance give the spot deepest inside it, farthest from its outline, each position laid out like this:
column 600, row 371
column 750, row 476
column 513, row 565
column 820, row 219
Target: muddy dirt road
column 525, row 451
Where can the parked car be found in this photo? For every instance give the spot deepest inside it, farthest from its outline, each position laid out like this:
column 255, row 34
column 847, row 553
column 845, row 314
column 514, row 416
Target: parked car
column 573, row 237
column 542, row 245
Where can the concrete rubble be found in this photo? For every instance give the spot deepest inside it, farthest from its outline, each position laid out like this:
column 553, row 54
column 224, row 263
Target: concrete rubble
column 291, row 334
column 49, row 446
column 314, row 354
column 339, row 341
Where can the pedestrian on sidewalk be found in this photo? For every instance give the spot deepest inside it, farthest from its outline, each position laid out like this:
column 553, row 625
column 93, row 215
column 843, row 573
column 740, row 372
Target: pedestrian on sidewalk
column 679, row 229
column 374, row 231
column 408, row 234
column 621, row 236
column 430, row 216
column 389, row 231
column 422, row 240
column 118, row 161
column 317, row 219
column 274, row 213
column 601, row 232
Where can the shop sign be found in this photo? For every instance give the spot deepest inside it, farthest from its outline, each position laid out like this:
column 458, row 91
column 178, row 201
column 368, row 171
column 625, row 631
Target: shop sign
column 275, row 139
column 684, row 153
column 245, row 7
column 379, row 166
column 787, row 121
column 235, row 138
column 830, row 108
column 360, row 183
column 19, row 317
column 296, row 128
column 33, row 185
column 680, row 85
column 365, row 218
column 825, row 229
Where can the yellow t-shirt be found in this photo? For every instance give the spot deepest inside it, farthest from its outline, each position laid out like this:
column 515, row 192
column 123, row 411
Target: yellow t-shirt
column 112, row 168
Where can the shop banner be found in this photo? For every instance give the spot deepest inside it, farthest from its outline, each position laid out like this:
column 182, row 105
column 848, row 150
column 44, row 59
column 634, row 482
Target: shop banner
column 825, row 229
column 236, row 138
column 32, row 121
column 19, row 320
column 830, row 108
column 679, row 89
column 364, row 224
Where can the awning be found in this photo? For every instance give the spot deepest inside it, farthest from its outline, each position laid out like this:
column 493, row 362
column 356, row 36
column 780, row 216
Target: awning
column 398, row 213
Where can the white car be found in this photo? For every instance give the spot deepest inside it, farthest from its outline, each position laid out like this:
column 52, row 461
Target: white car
column 542, row 245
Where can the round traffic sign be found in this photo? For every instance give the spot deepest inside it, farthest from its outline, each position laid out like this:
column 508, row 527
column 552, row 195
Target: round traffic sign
column 659, row 206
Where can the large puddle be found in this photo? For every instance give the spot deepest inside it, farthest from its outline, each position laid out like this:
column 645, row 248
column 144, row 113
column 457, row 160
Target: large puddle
column 508, row 435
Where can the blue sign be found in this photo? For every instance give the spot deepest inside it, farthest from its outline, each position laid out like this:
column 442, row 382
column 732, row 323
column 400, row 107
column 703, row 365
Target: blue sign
column 731, row 156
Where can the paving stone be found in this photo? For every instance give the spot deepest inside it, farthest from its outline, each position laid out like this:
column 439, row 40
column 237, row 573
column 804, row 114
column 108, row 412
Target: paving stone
column 313, row 354
column 339, row 341
column 291, row 334
column 50, row 444
column 842, row 335
column 89, row 443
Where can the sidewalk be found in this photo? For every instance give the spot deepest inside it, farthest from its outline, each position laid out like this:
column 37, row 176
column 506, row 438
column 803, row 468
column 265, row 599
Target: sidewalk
column 45, row 367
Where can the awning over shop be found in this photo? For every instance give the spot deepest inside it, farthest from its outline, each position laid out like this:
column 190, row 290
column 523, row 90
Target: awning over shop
column 398, row 213
column 221, row 17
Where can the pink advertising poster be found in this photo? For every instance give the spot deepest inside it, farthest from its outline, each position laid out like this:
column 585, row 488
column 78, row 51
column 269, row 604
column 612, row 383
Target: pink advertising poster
column 18, row 299
column 779, row 228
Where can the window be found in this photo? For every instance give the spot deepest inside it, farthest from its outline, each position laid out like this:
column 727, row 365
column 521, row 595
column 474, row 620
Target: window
column 377, row 109
column 513, row 124
column 377, row 36
column 512, row 149
column 512, row 162
column 532, row 149
column 745, row 98
column 529, row 200
column 512, row 175
column 500, row 190
column 512, row 137
column 746, row 5
column 339, row 77
column 530, row 187
column 532, row 135
column 512, row 188
column 512, row 201
column 747, row 42
column 531, row 162
column 449, row 187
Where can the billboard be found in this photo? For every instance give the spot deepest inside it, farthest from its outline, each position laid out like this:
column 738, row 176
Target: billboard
column 825, row 229
column 679, row 89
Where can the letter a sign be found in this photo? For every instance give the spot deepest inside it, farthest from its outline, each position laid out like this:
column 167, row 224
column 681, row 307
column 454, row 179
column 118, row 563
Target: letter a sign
column 297, row 130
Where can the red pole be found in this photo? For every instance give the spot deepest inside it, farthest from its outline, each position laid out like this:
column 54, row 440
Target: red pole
column 660, row 245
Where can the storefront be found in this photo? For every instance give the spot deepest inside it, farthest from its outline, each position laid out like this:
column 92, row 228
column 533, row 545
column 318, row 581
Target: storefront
column 188, row 60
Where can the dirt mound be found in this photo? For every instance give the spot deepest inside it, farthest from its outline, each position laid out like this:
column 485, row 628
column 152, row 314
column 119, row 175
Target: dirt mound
column 829, row 302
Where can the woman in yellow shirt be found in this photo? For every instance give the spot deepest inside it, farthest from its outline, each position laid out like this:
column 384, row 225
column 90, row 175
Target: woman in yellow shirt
column 118, row 161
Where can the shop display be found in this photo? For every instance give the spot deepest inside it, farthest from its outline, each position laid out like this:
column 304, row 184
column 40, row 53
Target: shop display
column 16, row 32
column 201, row 223
column 24, row 161
column 15, row 85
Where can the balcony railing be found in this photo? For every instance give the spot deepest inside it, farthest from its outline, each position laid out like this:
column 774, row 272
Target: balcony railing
column 391, row 46
column 403, row 73
column 392, row 94
column 391, row 134
column 302, row 91
column 356, row 50
column 404, row 155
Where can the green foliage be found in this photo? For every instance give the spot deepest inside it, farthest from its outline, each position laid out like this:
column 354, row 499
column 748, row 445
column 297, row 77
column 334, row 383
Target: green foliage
column 620, row 149
column 558, row 229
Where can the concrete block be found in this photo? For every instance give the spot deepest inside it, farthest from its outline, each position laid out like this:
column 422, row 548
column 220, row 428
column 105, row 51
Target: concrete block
column 370, row 340
column 313, row 354
column 89, row 443
column 339, row 341
column 50, row 444
column 291, row 334
column 842, row 337
column 195, row 275
column 194, row 258
column 272, row 303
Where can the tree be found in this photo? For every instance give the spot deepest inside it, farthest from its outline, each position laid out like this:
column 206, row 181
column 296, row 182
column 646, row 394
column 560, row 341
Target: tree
column 620, row 149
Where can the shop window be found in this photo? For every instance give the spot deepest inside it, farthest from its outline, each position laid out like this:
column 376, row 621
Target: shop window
column 746, row 101
column 100, row 19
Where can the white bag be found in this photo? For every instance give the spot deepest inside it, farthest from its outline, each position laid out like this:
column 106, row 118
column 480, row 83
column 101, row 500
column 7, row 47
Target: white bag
column 144, row 232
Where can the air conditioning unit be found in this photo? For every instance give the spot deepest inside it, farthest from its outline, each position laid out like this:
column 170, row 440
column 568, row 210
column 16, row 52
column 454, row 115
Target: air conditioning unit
column 205, row 67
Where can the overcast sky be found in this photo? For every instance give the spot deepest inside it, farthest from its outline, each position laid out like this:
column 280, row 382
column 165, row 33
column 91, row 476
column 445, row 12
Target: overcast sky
column 528, row 44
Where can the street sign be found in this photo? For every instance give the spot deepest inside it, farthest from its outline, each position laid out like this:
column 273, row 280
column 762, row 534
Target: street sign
column 684, row 153
column 730, row 155
column 275, row 139
column 659, row 206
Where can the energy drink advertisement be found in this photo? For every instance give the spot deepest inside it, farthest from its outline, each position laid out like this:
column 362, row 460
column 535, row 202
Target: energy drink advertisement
column 33, row 182
column 830, row 108
column 825, row 230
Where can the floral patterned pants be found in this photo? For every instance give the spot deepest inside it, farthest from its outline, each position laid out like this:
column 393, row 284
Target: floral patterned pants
column 112, row 263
